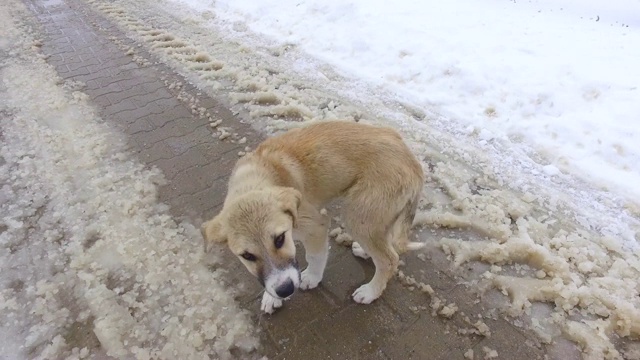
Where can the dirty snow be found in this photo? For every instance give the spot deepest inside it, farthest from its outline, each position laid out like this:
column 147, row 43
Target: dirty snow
column 534, row 221
column 484, row 128
column 91, row 263
column 557, row 78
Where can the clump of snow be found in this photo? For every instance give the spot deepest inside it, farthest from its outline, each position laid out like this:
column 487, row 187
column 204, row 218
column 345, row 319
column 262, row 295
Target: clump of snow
column 489, row 353
column 479, row 327
column 447, row 311
column 340, row 236
column 468, row 354
column 91, row 263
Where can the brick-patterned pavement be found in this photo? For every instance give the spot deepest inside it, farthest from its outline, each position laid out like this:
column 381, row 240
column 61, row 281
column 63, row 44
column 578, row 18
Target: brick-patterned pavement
column 139, row 99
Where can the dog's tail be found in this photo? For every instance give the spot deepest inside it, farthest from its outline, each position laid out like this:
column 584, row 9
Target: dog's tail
column 402, row 226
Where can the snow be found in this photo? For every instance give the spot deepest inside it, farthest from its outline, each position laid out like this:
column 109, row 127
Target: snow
column 557, row 77
column 495, row 98
column 507, row 82
column 574, row 246
column 91, row 263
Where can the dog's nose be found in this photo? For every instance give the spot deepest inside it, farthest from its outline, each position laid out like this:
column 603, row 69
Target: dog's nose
column 286, row 289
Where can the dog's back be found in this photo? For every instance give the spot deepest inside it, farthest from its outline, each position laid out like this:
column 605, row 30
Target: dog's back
column 336, row 155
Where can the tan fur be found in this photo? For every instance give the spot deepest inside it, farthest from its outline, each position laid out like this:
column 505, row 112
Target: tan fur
column 288, row 178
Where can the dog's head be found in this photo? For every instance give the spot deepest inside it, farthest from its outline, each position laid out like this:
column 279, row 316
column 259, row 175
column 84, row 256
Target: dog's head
column 257, row 227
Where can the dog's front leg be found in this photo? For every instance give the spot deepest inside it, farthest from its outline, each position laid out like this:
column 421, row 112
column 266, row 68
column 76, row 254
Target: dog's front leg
column 313, row 228
column 317, row 260
column 270, row 303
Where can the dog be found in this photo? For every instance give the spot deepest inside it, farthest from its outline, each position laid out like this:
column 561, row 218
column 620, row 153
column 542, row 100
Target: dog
column 275, row 194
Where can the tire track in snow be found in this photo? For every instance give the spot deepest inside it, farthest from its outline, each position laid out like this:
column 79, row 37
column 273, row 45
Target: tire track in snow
column 264, row 92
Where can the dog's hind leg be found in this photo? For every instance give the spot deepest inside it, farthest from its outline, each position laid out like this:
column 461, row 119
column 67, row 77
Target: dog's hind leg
column 386, row 261
column 402, row 228
column 400, row 232
column 379, row 217
column 313, row 229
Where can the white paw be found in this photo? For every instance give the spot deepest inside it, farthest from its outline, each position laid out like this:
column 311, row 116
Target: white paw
column 365, row 294
column 270, row 303
column 309, row 280
column 358, row 251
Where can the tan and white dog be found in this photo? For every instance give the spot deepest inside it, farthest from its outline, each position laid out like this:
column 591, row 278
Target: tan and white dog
column 275, row 194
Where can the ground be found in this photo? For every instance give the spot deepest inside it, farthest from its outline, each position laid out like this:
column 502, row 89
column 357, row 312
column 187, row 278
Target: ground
column 120, row 125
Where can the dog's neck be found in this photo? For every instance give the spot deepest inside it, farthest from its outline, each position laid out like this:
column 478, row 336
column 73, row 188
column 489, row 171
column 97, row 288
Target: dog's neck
column 248, row 177
column 259, row 171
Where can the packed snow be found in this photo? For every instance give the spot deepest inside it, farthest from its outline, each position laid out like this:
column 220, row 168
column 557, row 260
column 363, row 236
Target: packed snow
column 91, row 263
column 509, row 104
column 557, row 77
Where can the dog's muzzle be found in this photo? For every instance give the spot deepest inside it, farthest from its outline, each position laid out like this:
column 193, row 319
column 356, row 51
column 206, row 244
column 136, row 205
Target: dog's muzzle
column 285, row 290
column 284, row 281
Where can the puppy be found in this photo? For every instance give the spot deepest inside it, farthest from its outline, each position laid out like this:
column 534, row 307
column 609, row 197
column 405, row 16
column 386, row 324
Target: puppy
column 275, row 193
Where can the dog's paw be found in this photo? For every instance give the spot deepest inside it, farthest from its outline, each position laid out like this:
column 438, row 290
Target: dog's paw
column 358, row 251
column 270, row 303
column 365, row 294
column 309, row 280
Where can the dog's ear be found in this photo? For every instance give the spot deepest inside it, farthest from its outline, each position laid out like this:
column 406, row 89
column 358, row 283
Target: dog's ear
column 290, row 199
column 212, row 233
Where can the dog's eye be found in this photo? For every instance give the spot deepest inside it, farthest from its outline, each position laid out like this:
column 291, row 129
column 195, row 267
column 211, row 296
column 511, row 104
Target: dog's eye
column 278, row 241
column 249, row 256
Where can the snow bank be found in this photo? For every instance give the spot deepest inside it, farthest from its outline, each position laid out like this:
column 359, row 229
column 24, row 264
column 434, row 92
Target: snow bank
column 557, row 77
column 91, row 264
